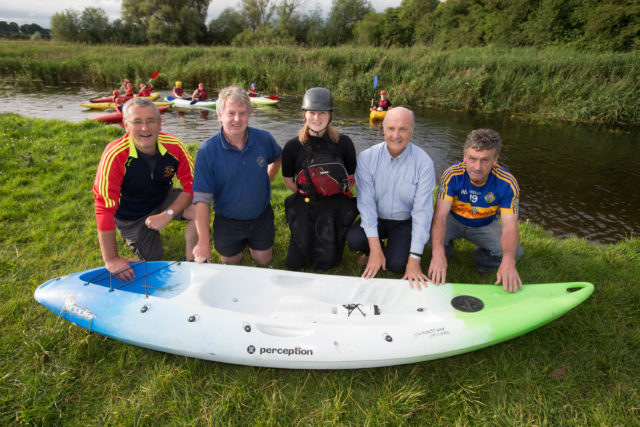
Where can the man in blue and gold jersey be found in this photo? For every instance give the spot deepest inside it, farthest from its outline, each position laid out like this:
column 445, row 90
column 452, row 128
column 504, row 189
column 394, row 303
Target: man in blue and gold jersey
column 471, row 194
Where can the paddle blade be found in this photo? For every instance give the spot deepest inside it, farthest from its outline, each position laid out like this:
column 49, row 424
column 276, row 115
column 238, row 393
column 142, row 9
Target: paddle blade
column 154, row 75
column 193, row 102
column 275, row 98
column 375, row 81
column 170, row 98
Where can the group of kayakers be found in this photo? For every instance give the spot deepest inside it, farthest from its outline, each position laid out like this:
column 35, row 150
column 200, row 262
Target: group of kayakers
column 199, row 94
column 126, row 92
column 233, row 171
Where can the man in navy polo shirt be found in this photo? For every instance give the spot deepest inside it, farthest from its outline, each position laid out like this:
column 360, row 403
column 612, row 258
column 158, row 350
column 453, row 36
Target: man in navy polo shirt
column 233, row 173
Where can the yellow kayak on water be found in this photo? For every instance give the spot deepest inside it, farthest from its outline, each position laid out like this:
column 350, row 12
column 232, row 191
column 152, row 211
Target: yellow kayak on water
column 376, row 116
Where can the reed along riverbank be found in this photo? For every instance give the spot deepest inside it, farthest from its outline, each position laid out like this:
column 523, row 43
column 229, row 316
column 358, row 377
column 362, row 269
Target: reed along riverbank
column 558, row 84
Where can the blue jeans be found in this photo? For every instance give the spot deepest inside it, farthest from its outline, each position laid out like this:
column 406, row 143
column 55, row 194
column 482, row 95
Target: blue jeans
column 488, row 254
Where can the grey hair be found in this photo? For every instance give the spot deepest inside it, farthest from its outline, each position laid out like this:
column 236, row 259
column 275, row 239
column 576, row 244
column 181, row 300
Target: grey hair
column 138, row 102
column 413, row 117
column 232, row 94
column 483, row 139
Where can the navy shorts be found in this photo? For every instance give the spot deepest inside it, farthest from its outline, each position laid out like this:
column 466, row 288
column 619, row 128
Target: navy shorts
column 230, row 236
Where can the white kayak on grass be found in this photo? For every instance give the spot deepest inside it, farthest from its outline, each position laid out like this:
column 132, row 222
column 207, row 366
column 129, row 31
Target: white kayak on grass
column 283, row 319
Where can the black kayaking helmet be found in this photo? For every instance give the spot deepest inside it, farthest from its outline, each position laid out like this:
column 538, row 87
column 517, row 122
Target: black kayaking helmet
column 317, row 99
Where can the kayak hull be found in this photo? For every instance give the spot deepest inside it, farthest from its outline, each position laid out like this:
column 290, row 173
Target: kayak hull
column 377, row 116
column 116, row 116
column 108, row 105
column 283, row 319
column 263, row 100
column 153, row 97
column 187, row 103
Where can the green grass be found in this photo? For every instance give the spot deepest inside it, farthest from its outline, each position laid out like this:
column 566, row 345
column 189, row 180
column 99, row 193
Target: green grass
column 557, row 84
column 581, row 369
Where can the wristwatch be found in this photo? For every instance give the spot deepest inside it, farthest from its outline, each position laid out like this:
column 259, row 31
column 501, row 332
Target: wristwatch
column 415, row 256
column 170, row 212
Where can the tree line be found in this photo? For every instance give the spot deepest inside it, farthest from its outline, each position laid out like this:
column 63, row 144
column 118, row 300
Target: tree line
column 594, row 25
column 11, row 30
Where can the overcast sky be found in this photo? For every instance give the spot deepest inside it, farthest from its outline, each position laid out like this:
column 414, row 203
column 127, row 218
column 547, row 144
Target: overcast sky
column 40, row 11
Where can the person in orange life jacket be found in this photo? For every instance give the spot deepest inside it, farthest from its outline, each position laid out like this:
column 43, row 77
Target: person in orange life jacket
column 384, row 104
column 144, row 90
column 253, row 92
column 200, row 93
column 129, row 90
column 123, row 86
column 318, row 167
column 118, row 100
column 133, row 189
column 471, row 194
column 176, row 90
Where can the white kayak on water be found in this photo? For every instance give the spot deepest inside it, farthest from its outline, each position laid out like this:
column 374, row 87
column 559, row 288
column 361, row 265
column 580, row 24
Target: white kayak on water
column 283, row 319
column 187, row 103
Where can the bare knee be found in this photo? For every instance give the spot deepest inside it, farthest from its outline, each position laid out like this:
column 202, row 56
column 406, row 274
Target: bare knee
column 231, row 260
column 262, row 257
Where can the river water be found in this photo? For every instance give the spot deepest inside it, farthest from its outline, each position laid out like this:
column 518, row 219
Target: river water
column 574, row 179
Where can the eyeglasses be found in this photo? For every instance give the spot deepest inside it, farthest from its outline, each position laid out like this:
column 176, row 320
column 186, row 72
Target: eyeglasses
column 148, row 122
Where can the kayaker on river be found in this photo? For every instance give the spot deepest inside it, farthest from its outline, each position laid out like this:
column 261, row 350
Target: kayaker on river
column 118, row 100
column 129, row 90
column 144, row 90
column 176, row 90
column 200, row 93
column 384, row 104
column 253, row 92
column 123, row 86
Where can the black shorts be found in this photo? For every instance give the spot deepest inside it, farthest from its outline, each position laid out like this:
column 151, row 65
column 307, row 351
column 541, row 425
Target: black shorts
column 230, row 236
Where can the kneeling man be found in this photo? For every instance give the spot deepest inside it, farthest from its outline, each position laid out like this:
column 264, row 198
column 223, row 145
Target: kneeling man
column 471, row 194
column 395, row 181
column 134, row 191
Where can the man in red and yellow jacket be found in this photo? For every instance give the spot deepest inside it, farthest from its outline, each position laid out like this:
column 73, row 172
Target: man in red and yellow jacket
column 133, row 189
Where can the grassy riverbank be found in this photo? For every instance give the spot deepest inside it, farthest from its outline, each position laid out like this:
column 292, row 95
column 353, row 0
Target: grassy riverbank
column 581, row 369
column 537, row 84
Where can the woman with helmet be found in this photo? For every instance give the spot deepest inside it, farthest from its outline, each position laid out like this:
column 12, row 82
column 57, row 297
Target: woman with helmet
column 176, row 90
column 318, row 167
column 384, row 104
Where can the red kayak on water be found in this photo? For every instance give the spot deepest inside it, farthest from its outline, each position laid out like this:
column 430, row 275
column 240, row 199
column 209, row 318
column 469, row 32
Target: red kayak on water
column 153, row 97
column 116, row 116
